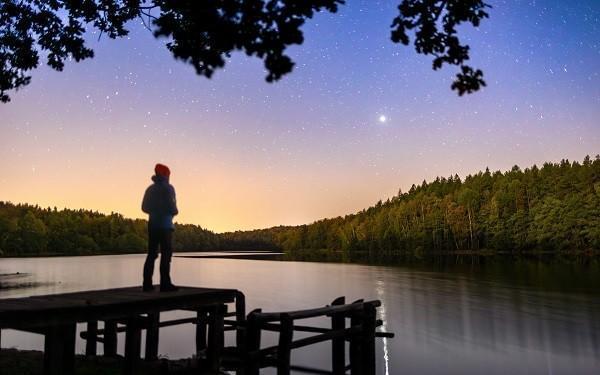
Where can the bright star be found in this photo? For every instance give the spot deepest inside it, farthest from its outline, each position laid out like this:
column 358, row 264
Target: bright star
column 382, row 119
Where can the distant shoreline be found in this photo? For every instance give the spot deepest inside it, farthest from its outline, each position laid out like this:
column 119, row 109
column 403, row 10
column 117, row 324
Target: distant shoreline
column 253, row 256
column 328, row 255
column 175, row 254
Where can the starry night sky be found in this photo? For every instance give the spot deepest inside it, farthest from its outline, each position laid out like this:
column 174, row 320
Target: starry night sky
column 247, row 154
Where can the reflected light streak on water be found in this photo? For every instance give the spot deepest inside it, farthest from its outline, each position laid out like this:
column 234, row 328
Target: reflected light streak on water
column 381, row 312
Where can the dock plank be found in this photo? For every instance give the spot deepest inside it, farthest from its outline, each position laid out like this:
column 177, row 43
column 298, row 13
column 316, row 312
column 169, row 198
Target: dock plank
column 102, row 304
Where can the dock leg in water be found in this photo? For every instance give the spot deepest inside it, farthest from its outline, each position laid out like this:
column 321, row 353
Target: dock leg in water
column 152, row 332
column 133, row 341
column 338, row 345
column 201, row 322
column 91, row 343
column 215, row 337
column 110, row 338
column 59, row 349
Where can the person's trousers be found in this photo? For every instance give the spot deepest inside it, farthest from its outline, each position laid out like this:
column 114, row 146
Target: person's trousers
column 159, row 237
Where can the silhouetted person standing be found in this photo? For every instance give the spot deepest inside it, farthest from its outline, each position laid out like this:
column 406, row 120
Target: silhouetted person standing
column 159, row 202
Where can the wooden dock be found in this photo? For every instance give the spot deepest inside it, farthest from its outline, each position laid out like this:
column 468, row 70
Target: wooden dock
column 56, row 317
column 353, row 326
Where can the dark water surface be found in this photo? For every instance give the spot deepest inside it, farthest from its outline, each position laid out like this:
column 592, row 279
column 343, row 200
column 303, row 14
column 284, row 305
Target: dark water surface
column 521, row 318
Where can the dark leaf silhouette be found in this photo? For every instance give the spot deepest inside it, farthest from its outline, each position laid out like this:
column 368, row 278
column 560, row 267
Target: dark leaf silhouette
column 204, row 33
column 434, row 23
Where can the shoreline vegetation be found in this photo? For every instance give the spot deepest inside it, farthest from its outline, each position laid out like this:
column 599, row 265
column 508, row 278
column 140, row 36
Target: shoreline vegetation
column 548, row 212
column 29, row 362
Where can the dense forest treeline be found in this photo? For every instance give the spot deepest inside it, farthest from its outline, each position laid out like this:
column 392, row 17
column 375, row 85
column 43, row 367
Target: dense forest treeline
column 32, row 230
column 555, row 208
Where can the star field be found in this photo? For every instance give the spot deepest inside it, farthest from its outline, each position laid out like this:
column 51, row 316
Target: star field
column 357, row 119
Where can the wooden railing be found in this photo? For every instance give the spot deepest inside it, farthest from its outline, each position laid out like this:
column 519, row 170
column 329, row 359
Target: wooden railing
column 353, row 323
column 210, row 328
column 360, row 333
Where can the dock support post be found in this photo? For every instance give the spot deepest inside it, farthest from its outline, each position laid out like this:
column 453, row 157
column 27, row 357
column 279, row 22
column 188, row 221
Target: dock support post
column 110, row 338
column 152, row 335
column 91, row 343
column 133, row 340
column 216, row 337
column 251, row 363
column 284, row 350
column 356, row 347
column 240, row 318
column 59, row 349
column 369, row 325
column 338, row 345
column 201, row 321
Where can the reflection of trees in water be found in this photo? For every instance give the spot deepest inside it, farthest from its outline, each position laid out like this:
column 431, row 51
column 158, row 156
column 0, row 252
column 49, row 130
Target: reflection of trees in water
column 475, row 316
column 16, row 280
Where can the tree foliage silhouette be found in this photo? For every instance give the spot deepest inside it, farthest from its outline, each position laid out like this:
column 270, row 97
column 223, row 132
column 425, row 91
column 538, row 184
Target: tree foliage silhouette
column 203, row 33
column 552, row 210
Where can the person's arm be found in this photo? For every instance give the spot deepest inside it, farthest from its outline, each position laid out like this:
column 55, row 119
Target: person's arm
column 146, row 202
column 173, row 202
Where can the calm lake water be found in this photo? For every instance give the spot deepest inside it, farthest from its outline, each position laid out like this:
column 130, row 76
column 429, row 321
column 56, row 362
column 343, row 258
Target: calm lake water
column 497, row 319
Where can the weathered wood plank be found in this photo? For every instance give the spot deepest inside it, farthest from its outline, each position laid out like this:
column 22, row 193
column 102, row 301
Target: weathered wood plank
column 311, row 313
column 103, row 304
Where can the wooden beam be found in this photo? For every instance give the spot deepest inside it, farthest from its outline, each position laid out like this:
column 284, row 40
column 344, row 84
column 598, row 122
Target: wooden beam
column 91, row 343
column 167, row 323
column 311, row 313
column 310, row 370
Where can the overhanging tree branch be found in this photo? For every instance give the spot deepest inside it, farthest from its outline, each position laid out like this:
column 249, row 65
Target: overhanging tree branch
column 203, row 33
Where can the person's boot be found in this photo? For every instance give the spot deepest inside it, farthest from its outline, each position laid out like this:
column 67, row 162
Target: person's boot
column 168, row 287
column 147, row 287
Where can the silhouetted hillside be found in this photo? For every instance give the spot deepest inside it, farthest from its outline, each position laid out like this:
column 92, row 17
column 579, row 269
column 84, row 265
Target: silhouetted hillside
column 555, row 208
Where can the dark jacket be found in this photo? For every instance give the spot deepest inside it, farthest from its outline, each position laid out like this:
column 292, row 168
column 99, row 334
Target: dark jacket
column 159, row 202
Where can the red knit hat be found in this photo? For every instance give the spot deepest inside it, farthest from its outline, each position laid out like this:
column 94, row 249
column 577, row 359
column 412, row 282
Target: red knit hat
column 162, row 170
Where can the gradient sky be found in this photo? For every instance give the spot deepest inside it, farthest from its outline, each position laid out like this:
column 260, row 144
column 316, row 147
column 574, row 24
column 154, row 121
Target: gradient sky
column 247, row 154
